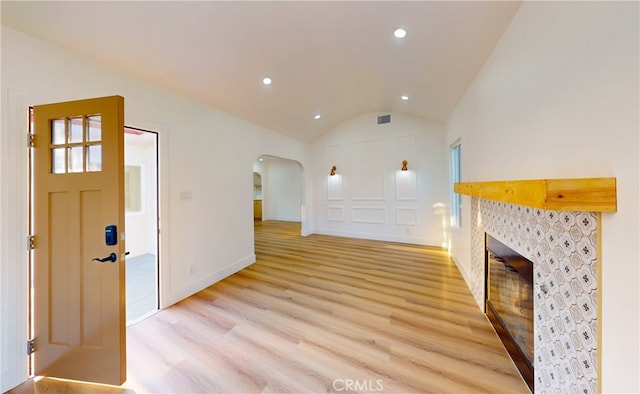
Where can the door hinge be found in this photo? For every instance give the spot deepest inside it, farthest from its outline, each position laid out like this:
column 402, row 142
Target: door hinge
column 31, row 138
column 31, row 346
column 31, row 242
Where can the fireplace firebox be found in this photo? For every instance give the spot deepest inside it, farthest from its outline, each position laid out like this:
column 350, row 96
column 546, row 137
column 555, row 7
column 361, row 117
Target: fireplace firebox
column 509, row 303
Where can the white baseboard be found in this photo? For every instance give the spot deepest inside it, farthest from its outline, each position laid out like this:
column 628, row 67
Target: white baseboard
column 281, row 219
column 203, row 283
column 467, row 280
column 376, row 237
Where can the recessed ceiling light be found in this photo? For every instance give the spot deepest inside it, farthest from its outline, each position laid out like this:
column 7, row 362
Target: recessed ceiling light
column 404, row 98
column 400, row 33
column 316, row 117
column 266, row 81
column 261, row 159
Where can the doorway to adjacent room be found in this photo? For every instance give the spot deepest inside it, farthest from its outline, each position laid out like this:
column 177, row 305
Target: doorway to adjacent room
column 142, row 223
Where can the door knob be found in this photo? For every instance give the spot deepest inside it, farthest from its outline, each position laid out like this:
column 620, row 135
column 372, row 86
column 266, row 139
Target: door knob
column 112, row 258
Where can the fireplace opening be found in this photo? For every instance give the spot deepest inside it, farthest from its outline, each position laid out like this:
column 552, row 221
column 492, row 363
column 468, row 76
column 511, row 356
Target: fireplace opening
column 509, row 303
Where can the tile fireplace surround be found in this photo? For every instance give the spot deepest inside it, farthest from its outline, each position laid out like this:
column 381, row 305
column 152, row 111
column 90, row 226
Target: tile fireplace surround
column 563, row 246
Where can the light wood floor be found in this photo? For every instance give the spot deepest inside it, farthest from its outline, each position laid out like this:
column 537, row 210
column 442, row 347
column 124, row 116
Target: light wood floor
column 315, row 313
column 324, row 314
column 59, row 386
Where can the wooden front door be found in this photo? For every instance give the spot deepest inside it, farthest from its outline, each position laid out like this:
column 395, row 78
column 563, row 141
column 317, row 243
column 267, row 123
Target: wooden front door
column 78, row 195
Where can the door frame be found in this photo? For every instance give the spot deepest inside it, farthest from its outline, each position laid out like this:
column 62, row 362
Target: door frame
column 14, row 206
column 14, row 209
column 157, row 211
column 162, row 203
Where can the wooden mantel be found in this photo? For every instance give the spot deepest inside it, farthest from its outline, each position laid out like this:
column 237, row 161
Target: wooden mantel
column 579, row 194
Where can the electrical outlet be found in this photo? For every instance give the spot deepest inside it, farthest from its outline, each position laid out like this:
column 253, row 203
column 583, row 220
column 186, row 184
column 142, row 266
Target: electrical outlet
column 192, row 269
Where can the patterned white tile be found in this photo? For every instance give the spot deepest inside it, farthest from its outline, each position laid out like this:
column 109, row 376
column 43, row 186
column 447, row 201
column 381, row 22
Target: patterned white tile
column 563, row 247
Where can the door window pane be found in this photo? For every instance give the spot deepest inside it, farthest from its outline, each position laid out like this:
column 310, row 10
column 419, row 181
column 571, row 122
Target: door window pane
column 75, row 159
column 75, row 130
column 58, row 160
column 57, row 132
column 94, row 130
column 94, row 158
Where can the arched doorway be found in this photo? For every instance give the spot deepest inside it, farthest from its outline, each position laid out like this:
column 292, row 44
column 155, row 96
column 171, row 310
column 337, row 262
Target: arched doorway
column 257, row 196
column 280, row 190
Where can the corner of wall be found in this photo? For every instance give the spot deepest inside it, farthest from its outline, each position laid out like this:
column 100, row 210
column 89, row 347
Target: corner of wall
column 209, row 280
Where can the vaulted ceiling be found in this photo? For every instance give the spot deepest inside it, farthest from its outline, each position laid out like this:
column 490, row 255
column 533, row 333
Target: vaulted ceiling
column 334, row 59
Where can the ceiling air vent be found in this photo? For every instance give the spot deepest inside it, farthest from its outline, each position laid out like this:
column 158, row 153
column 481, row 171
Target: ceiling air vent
column 384, row 119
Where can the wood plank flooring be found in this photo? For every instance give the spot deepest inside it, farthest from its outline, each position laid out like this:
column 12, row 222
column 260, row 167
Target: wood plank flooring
column 325, row 314
column 60, row 386
column 320, row 314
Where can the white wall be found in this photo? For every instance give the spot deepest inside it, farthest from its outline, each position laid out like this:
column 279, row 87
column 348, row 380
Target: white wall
column 559, row 98
column 282, row 189
column 369, row 197
column 206, row 212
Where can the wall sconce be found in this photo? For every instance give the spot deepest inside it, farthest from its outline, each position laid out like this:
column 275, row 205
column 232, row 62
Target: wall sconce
column 333, row 171
column 404, row 165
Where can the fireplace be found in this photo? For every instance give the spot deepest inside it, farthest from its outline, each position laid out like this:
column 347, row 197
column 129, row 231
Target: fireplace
column 556, row 224
column 509, row 303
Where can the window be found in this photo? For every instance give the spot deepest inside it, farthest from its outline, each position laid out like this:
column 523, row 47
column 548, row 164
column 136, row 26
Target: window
column 76, row 145
column 456, row 220
column 133, row 189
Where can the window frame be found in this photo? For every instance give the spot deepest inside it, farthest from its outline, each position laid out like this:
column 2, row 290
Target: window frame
column 139, row 194
column 455, row 168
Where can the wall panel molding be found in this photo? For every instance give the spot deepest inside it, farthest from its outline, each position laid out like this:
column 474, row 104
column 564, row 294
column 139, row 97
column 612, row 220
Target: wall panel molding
column 335, row 186
column 368, row 170
column 406, row 216
column 374, row 215
column 335, row 213
column 406, row 186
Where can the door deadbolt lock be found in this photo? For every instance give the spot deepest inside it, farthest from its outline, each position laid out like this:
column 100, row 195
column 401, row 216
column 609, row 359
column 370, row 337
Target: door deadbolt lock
column 111, row 235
